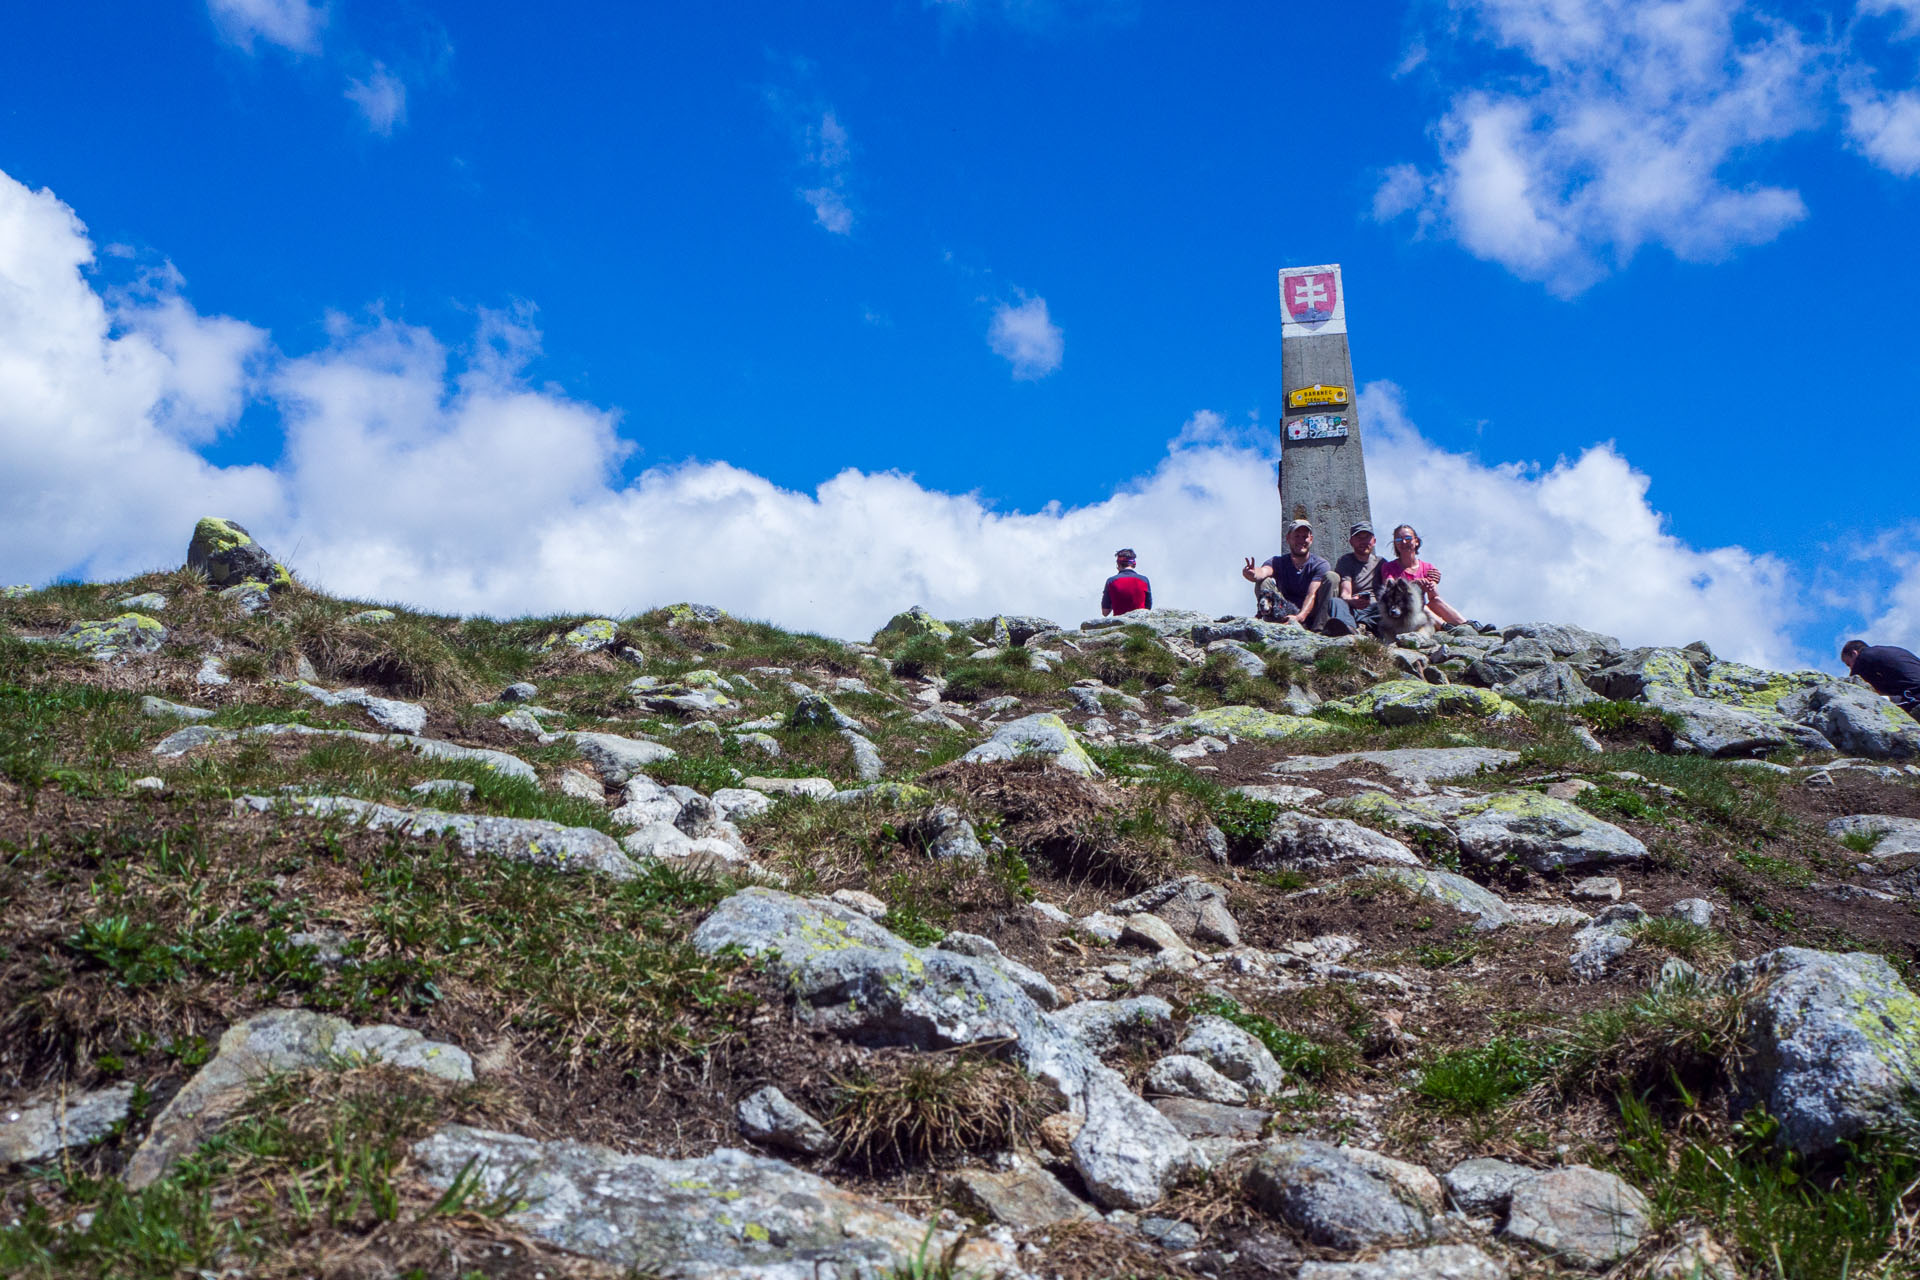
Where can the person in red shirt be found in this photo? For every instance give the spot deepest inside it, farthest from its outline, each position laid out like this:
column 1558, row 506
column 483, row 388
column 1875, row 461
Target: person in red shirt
column 1126, row 590
column 1408, row 564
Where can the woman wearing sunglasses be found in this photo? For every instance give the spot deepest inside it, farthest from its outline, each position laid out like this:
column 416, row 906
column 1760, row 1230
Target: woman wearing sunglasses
column 1408, row 564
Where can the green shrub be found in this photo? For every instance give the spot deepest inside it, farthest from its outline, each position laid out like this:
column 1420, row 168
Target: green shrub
column 1474, row 1081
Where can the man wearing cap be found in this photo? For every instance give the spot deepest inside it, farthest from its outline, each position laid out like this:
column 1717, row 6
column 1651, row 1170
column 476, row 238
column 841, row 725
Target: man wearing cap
column 1359, row 573
column 1888, row 670
column 1126, row 590
column 1300, row 587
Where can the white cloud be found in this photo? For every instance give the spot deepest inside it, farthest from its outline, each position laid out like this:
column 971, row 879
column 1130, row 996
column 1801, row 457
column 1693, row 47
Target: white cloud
column 1027, row 338
column 443, row 479
column 1626, row 131
column 382, row 99
column 292, row 24
column 824, row 153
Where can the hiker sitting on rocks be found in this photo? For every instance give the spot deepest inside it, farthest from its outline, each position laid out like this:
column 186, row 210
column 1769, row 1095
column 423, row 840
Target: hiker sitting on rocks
column 1408, row 564
column 1126, row 590
column 1888, row 670
column 1299, row 587
column 1359, row 572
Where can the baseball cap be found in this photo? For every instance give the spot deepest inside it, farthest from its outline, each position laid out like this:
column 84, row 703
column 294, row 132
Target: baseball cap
column 1298, row 524
column 1359, row 527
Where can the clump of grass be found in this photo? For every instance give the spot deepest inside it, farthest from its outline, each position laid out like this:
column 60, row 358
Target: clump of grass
column 65, row 734
column 906, row 1110
column 1475, row 1080
column 1694, row 943
column 1010, row 673
column 1861, row 841
column 409, row 655
column 921, row 656
column 1678, row 1039
column 1612, row 802
column 1785, row 1216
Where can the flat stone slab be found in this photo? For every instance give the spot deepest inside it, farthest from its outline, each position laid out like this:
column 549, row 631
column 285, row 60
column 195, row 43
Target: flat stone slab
column 1252, row 723
column 1023, row 1197
column 724, row 1216
column 181, row 741
column 47, row 1127
column 817, row 788
column 1489, row 909
column 1579, row 1215
column 617, row 758
column 531, row 840
column 268, row 1043
column 1418, row 768
column 1197, row 1119
column 1891, row 835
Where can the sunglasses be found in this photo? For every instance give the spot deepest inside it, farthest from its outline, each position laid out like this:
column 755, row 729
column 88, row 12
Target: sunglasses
column 1406, row 539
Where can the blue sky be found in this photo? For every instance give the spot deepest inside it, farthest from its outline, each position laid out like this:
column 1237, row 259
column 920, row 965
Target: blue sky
column 662, row 272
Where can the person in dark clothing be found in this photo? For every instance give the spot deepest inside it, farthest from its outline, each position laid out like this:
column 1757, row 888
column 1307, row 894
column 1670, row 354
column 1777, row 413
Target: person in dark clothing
column 1126, row 590
column 1888, row 670
column 1300, row 587
column 1359, row 572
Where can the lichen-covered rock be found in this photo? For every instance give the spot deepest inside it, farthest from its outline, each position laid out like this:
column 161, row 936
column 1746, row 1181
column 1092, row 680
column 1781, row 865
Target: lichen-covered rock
column 1301, row 840
column 816, row 711
column 1023, row 1195
column 914, row 623
column 851, row 976
column 1725, row 729
column 1855, row 720
column 1560, row 639
column 1042, row 734
column 228, row 555
column 1579, row 1215
column 1252, row 723
column 1162, row 622
column 1489, row 909
column 1552, row 682
column 589, row 637
column 724, row 1216
column 18, row 591
column 1415, row 702
column 532, row 840
column 1100, row 1024
column 1535, row 830
column 145, row 602
column 372, row 617
column 1333, row 1199
column 1833, row 1044
column 248, row 597
column 49, row 1126
column 117, row 637
column 1011, row 630
column 1640, row 670
column 1389, row 812
column 278, row 1041
column 1417, row 768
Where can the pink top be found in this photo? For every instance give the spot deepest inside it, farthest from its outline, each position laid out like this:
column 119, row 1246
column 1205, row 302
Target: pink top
column 1393, row 569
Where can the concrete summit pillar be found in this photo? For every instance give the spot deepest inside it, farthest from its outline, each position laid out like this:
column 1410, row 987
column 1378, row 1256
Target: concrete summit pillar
column 1323, row 477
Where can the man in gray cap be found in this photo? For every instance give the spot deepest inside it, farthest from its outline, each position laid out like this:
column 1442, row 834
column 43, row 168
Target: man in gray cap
column 1359, row 572
column 1300, row 587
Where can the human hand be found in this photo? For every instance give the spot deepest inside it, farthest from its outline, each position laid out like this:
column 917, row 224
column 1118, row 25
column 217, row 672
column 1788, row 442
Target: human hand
column 1433, row 576
column 1247, row 572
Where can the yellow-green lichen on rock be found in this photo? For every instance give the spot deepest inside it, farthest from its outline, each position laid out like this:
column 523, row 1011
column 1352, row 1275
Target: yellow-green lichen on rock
column 1414, row 701
column 114, row 637
column 227, row 554
column 1254, row 723
column 1043, row 734
column 1750, row 687
column 588, row 637
column 915, row 622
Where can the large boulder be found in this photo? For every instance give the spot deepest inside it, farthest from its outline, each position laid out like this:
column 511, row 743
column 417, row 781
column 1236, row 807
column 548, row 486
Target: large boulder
column 1728, row 729
column 228, row 555
column 723, row 1216
column 1415, row 701
column 590, row 636
column 1560, row 638
column 617, row 758
column 1855, row 720
column 1833, row 1044
column 1552, row 682
column 914, row 623
column 1195, row 908
column 1043, row 734
column 1534, row 830
column 849, row 975
column 270, row 1043
column 1162, row 622
column 1015, row 630
column 1639, row 670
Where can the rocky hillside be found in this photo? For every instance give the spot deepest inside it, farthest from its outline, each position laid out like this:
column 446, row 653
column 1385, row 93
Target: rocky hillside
column 346, row 941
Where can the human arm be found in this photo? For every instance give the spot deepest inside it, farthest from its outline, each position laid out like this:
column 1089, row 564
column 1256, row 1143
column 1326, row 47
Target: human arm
column 1149, row 595
column 1256, row 572
column 1306, row 606
column 1106, row 599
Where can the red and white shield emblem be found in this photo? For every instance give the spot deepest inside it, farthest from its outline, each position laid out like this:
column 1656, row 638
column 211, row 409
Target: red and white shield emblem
column 1310, row 298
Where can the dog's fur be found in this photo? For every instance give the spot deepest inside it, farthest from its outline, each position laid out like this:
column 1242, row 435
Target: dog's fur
column 1403, row 608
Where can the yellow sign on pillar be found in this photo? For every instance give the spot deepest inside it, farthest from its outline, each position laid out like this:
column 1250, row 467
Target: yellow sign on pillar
column 1316, row 394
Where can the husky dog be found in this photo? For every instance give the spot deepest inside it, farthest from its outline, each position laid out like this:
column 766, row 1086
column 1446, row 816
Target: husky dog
column 1403, row 608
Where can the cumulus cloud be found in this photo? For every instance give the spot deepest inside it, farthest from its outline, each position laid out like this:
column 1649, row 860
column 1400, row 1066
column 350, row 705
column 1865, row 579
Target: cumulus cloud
column 1884, row 124
column 1025, row 336
column 1624, row 133
column 381, row 97
column 442, row 477
column 294, row 25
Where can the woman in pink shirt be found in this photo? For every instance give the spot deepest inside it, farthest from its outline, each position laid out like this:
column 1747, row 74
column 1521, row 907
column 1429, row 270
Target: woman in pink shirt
column 1408, row 564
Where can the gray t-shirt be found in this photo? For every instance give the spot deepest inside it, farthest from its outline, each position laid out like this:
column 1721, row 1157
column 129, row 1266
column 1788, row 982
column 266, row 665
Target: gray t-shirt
column 1365, row 574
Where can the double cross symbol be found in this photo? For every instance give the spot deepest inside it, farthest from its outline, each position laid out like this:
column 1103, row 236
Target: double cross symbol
column 1308, row 293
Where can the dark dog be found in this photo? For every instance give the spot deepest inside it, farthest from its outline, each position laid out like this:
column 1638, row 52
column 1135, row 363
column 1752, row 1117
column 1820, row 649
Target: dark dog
column 1403, row 609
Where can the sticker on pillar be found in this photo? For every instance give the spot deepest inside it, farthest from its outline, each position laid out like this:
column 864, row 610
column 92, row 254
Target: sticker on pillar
column 1318, row 426
column 1311, row 301
column 1316, row 394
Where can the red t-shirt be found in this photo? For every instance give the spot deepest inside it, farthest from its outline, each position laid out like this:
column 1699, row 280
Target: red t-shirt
column 1394, row 569
column 1127, row 591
